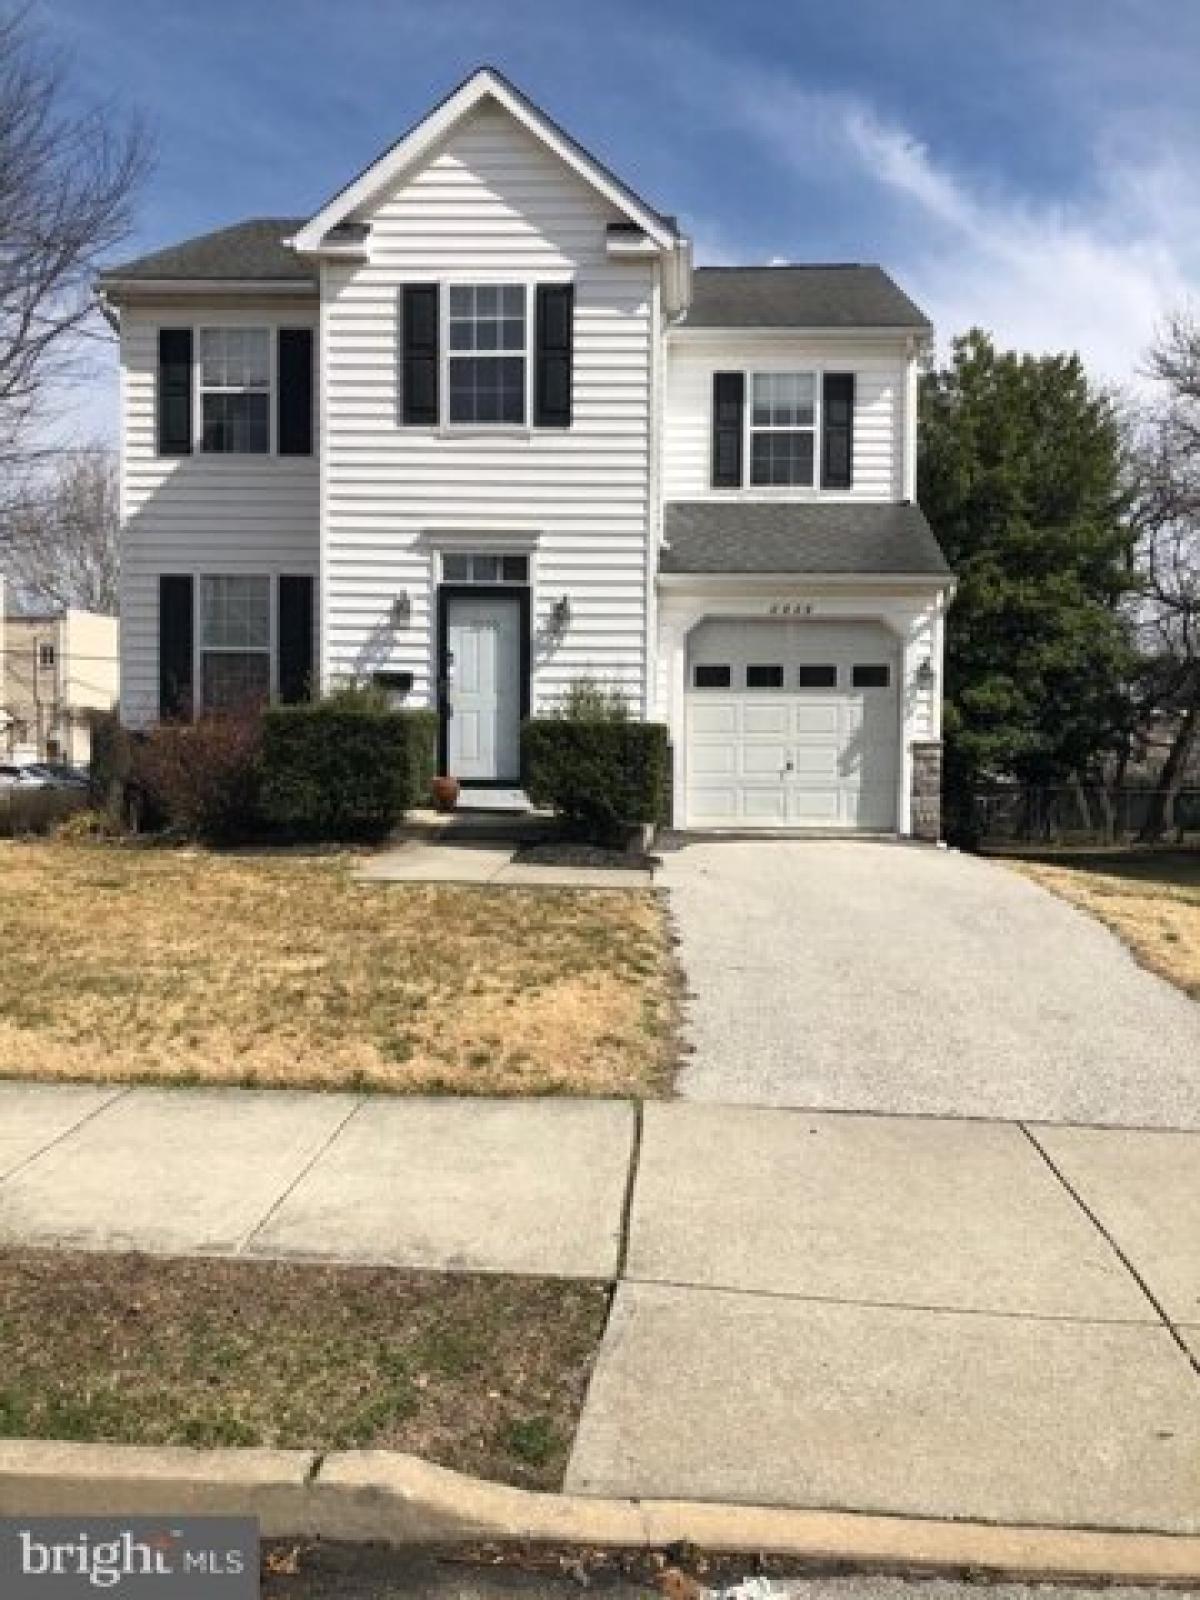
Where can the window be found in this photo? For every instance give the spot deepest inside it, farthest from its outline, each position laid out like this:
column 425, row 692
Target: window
column 481, row 568
column 764, row 676
column 872, row 675
column 711, row 677
column 487, row 353
column 45, row 656
column 235, row 642
column 782, row 428
column 235, row 390
column 813, row 676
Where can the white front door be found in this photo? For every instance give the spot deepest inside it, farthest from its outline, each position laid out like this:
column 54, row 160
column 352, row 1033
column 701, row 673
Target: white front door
column 483, row 688
column 793, row 725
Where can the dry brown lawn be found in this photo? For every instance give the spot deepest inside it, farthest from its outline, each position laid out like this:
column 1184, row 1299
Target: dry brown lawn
column 1150, row 899
column 486, row 1375
column 178, row 966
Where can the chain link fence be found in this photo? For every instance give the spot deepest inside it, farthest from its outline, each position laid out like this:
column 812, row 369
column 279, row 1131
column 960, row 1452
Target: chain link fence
column 1080, row 814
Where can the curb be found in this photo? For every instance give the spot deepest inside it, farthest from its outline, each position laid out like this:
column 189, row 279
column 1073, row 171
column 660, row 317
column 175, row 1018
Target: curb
column 382, row 1496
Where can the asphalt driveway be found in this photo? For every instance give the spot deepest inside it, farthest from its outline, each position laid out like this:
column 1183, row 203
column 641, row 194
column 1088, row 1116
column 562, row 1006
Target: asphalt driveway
column 849, row 975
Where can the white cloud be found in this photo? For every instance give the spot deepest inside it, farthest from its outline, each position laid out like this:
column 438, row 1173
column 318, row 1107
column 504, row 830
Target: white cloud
column 1095, row 275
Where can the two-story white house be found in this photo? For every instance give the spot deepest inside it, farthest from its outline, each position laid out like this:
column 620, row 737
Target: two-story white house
column 478, row 428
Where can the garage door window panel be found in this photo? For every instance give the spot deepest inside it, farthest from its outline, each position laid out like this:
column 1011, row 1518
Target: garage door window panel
column 762, row 675
column 783, row 417
column 813, row 676
column 710, row 676
column 872, row 675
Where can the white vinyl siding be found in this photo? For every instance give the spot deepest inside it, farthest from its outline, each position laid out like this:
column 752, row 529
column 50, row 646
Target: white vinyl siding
column 199, row 513
column 490, row 205
column 879, row 369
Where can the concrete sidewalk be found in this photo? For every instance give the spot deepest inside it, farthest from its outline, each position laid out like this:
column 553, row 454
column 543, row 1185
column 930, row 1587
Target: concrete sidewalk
column 482, row 861
column 952, row 1319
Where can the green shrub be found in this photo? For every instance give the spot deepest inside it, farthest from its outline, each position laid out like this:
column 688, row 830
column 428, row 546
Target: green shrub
column 111, row 761
column 201, row 779
column 598, row 775
column 342, row 769
column 589, row 700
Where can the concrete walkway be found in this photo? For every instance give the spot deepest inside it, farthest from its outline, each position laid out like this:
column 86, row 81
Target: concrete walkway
column 944, row 1318
column 418, row 861
column 884, row 977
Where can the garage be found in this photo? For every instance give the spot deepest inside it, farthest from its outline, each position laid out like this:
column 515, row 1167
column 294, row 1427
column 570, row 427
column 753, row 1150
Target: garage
column 793, row 724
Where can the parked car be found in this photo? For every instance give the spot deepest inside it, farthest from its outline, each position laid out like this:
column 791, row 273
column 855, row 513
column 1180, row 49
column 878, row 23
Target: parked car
column 14, row 774
column 60, row 774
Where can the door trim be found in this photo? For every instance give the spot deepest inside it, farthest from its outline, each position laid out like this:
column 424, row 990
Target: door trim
column 516, row 592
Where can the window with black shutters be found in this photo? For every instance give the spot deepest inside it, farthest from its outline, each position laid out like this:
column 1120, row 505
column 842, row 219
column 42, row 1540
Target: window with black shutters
column 235, row 391
column 488, row 354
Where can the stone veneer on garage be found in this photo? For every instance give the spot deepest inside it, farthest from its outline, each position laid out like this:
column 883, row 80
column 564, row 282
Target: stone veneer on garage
column 927, row 790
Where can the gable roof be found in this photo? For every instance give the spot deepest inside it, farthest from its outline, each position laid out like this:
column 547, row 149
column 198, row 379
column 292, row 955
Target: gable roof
column 485, row 83
column 838, row 295
column 858, row 538
column 248, row 252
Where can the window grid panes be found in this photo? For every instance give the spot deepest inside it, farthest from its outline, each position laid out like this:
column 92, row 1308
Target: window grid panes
column 764, row 675
column 235, row 390
column 782, row 428
column 484, row 568
column 487, row 353
column 235, row 642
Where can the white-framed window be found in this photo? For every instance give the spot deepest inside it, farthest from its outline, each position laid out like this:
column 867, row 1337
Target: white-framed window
column 235, row 641
column 483, row 567
column 235, row 379
column 487, row 354
column 782, row 424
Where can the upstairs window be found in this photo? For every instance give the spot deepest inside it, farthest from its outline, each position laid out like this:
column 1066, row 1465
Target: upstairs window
column 783, row 428
column 45, row 656
column 235, row 391
column 487, row 357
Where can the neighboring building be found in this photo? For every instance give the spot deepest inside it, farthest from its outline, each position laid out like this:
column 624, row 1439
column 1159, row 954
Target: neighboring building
column 477, row 428
column 56, row 669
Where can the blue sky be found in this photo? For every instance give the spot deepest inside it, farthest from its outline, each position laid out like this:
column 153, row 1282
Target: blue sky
column 1026, row 165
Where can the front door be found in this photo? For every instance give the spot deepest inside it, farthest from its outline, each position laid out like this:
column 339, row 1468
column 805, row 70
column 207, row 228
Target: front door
column 482, row 667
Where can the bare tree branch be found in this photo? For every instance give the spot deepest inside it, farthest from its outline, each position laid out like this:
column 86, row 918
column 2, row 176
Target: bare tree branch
column 64, row 549
column 68, row 181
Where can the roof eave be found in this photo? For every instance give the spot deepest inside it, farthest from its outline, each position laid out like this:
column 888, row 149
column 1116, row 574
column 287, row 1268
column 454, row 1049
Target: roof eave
column 116, row 289
column 402, row 155
column 860, row 330
column 859, row 580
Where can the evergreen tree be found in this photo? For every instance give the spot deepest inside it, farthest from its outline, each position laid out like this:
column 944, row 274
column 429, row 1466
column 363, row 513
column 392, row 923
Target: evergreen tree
column 1020, row 476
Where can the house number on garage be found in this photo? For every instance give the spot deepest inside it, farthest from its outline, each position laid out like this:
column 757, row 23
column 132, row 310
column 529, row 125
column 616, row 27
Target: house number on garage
column 791, row 608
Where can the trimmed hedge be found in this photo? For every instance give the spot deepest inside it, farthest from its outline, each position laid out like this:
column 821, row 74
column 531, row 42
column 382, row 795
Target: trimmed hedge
column 598, row 775
column 334, row 771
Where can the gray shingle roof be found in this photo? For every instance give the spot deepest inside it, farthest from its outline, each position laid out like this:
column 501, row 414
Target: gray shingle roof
column 741, row 536
column 841, row 296
column 251, row 250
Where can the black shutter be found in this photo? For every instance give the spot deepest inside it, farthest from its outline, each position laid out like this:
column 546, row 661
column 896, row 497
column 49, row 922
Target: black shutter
column 419, row 364
column 295, row 398
column 552, row 366
column 837, row 431
column 174, row 391
column 175, row 634
column 295, row 640
column 728, row 398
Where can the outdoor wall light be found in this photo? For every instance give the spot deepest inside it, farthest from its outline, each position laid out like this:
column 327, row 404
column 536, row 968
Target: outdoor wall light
column 560, row 614
column 402, row 609
column 925, row 674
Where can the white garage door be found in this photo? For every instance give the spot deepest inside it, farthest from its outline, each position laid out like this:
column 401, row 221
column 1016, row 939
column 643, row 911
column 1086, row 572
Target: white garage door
column 792, row 725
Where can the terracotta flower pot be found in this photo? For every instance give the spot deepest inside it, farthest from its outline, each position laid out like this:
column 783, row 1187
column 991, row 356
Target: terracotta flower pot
column 445, row 793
